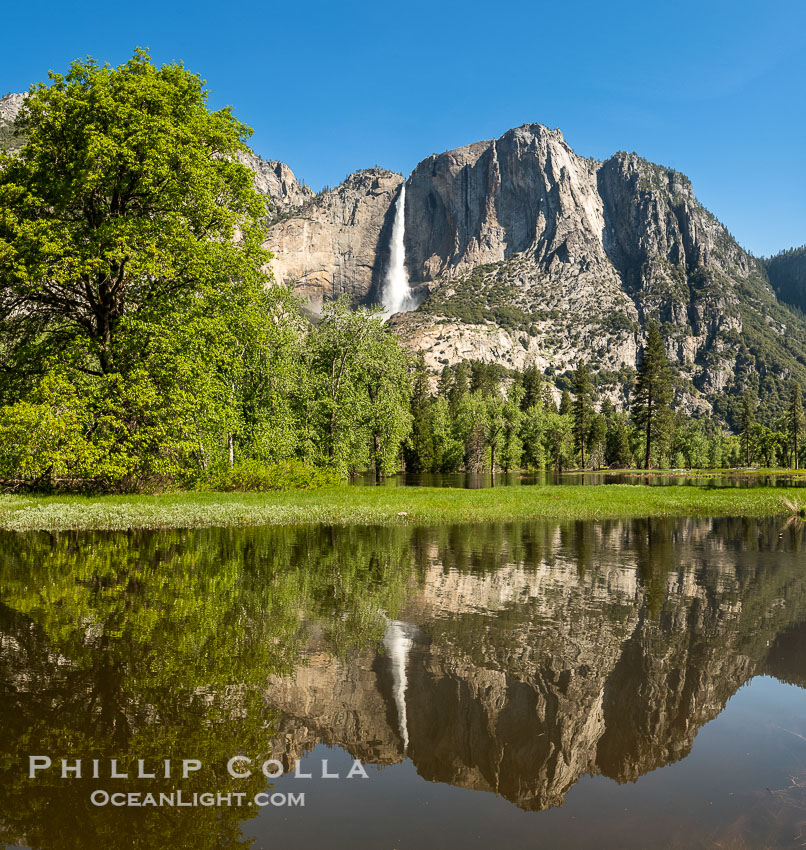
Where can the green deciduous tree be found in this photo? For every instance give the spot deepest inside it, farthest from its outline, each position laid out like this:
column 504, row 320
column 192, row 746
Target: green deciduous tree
column 511, row 452
column 126, row 193
column 131, row 278
column 532, row 427
column 358, row 394
column 448, row 449
column 558, row 439
column 471, row 429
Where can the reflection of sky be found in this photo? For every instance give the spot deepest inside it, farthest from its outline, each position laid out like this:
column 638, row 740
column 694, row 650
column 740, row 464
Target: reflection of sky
column 740, row 764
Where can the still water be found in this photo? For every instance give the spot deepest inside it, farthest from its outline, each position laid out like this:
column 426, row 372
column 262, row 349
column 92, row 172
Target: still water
column 631, row 684
column 480, row 480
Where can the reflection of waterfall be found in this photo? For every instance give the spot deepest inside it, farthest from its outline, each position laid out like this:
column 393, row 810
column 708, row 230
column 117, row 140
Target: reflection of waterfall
column 398, row 644
column 396, row 292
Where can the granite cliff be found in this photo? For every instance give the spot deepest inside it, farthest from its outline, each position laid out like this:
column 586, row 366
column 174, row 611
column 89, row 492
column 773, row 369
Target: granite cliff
column 532, row 254
column 337, row 242
column 10, row 105
column 521, row 252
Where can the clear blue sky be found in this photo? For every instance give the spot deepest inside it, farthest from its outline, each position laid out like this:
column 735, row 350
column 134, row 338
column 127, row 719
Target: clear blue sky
column 713, row 88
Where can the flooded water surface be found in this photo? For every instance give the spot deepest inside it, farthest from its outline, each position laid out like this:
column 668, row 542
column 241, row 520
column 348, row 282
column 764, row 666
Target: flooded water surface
column 635, row 684
column 671, row 478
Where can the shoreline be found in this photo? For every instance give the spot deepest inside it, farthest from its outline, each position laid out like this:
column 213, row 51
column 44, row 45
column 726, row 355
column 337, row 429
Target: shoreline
column 364, row 506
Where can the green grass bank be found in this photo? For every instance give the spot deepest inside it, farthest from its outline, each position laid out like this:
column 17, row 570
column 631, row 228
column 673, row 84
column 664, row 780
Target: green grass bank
column 343, row 505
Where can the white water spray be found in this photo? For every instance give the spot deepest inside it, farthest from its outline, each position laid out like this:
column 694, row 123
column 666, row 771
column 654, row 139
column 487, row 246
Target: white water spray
column 396, row 291
column 398, row 644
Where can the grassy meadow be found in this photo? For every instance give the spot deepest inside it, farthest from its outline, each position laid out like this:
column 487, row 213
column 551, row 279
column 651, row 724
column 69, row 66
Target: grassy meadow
column 346, row 505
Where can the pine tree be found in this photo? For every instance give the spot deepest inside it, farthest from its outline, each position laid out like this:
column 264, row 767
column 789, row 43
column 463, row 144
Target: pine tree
column 445, row 382
column 511, row 445
column 606, row 408
column 532, row 387
column 618, row 451
column 458, row 388
column 565, row 403
column 795, row 417
column 597, row 434
column 582, row 409
column 748, row 423
column 653, row 393
column 418, row 450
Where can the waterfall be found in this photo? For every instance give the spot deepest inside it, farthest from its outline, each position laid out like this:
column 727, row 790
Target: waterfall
column 396, row 292
column 398, row 643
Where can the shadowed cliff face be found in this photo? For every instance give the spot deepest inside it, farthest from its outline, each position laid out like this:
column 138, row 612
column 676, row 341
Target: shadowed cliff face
column 787, row 273
column 590, row 650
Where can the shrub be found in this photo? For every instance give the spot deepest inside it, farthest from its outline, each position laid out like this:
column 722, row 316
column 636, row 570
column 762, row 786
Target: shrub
column 255, row 476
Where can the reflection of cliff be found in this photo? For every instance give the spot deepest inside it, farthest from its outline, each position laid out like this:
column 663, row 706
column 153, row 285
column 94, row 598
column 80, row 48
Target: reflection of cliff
column 602, row 650
column 786, row 659
column 333, row 701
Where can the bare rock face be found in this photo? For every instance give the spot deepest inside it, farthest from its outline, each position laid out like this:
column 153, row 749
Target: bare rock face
column 525, row 193
column 10, row 106
column 277, row 180
column 337, row 243
column 533, row 255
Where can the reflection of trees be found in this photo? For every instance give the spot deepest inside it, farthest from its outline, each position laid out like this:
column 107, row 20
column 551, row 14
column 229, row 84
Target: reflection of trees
column 621, row 640
column 159, row 645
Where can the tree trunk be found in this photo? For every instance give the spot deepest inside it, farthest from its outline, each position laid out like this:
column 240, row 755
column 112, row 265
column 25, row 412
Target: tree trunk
column 376, row 441
column 231, row 446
